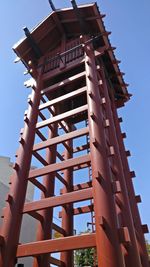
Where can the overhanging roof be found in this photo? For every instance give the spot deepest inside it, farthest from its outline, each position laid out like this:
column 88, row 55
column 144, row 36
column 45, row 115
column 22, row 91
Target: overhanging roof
column 48, row 34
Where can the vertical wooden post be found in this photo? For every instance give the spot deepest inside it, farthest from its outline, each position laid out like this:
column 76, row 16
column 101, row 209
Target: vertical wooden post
column 13, row 214
column 44, row 230
column 132, row 256
column 131, row 193
column 67, row 210
column 107, row 241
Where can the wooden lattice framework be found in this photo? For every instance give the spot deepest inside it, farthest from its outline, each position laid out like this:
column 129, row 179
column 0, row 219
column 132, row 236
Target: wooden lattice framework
column 77, row 80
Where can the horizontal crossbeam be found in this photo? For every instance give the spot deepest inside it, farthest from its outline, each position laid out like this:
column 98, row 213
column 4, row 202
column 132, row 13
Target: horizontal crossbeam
column 56, row 245
column 61, row 117
column 58, row 200
column 63, row 98
column 63, row 83
column 61, row 139
column 81, row 148
column 80, row 210
column 59, row 166
column 81, row 166
column 82, row 186
column 79, row 186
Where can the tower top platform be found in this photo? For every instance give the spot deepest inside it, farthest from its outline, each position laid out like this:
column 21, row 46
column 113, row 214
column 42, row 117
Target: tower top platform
column 69, row 24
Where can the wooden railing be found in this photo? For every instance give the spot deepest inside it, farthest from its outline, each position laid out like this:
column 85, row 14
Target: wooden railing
column 54, row 58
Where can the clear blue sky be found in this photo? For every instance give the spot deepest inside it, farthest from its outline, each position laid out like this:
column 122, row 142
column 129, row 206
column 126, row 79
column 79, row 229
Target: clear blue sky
column 129, row 22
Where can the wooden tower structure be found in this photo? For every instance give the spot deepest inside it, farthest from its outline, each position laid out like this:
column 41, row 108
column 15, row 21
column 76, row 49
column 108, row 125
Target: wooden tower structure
column 77, row 87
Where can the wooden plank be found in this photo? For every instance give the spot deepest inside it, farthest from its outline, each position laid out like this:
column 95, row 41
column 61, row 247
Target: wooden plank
column 61, row 139
column 81, row 148
column 63, row 83
column 61, row 117
column 60, row 166
column 62, row 98
column 82, row 186
column 56, row 245
column 79, row 186
column 80, row 210
column 81, row 166
column 50, row 202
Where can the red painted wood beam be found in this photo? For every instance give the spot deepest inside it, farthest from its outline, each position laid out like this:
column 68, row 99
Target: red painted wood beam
column 80, row 186
column 81, row 166
column 58, row 200
column 59, row 166
column 56, row 245
column 63, row 83
column 81, row 148
column 40, row 135
column 38, row 185
column 67, row 221
column 80, row 210
column 61, row 117
column 61, row 139
column 39, row 158
column 62, row 98
column 36, row 215
column 58, row 229
column 59, row 156
column 56, row 262
column 60, row 178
